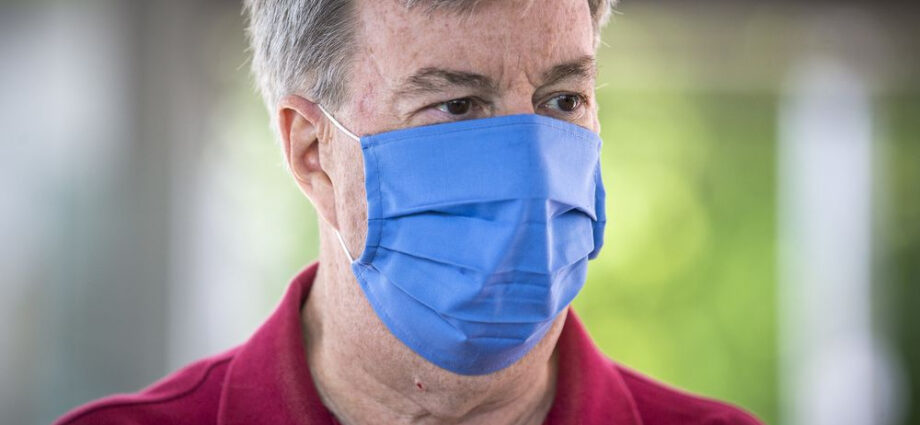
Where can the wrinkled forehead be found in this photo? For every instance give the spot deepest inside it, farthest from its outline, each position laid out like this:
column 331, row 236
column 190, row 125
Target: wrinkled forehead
column 490, row 37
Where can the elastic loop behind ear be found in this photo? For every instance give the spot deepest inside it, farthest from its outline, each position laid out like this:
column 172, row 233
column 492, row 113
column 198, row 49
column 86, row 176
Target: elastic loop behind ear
column 337, row 124
column 344, row 248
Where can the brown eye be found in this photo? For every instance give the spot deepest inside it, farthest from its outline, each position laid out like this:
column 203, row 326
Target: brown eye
column 566, row 102
column 456, row 106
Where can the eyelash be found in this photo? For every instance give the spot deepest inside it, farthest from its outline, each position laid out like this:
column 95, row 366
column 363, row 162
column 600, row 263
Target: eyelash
column 476, row 103
column 480, row 103
column 582, row 99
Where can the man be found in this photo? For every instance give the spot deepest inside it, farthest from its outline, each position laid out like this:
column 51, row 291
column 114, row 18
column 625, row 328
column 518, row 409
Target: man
column 450, row 148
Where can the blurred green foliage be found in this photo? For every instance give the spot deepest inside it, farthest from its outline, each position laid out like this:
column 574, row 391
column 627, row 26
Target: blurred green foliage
column 898, row 265
column 684, row 289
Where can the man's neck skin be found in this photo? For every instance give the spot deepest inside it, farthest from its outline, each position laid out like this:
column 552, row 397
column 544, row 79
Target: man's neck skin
column 364, row 375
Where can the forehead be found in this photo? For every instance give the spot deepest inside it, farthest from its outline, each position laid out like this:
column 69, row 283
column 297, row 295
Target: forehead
column 500, row 38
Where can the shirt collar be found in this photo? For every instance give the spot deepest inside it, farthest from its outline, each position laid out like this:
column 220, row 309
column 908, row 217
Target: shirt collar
column 589, row 387
column 269, row 380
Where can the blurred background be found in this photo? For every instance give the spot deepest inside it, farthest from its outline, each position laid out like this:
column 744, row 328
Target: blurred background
column 762, row 163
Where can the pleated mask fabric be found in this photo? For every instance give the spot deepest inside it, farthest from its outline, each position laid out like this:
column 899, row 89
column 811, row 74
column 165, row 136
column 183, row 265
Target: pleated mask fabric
column 479, row 233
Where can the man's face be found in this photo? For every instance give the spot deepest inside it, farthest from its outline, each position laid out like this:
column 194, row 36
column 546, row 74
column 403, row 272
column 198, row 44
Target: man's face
column 415, row 68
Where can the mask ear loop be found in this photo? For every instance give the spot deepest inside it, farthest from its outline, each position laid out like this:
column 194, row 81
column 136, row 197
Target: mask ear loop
column 337, row 124
column 344, row 248
column 355, row 137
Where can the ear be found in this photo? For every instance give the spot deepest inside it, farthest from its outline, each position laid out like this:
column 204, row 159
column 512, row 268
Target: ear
column 298, row 123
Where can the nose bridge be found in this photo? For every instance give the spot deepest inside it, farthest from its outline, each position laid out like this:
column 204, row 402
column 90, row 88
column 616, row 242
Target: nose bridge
column 516, row 104
column 517, row 95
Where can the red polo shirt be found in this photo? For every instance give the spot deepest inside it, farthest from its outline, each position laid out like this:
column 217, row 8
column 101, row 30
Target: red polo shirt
column 267, row 381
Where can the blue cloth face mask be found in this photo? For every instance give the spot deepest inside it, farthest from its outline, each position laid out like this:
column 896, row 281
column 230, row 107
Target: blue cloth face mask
column 478, row 233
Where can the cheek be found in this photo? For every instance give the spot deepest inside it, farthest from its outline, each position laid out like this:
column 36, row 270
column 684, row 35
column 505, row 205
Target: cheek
column 353, row 204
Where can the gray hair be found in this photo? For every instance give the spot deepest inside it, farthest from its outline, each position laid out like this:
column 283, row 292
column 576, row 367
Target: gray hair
column 305, row 46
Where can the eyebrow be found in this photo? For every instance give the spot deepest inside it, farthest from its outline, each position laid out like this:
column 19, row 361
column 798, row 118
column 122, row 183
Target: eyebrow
column 433, row 80
column 584, row 67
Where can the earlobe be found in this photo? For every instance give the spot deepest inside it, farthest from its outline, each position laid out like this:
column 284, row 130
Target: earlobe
column 298, row 124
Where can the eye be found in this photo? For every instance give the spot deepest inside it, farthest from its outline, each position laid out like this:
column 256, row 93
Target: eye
column 456, row 106
column 565, row 102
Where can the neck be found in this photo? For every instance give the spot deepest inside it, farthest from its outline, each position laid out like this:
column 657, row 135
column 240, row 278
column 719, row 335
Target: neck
column 364, row 375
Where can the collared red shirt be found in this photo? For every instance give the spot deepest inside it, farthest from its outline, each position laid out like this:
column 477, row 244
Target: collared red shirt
column 267, row 381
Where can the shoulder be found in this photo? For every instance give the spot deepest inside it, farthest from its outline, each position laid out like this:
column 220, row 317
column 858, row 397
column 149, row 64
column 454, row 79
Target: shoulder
column 659, row 404
column 188, row 396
